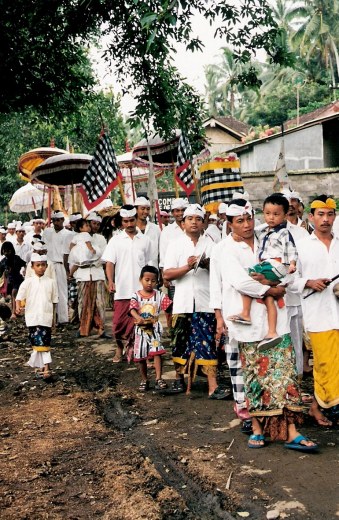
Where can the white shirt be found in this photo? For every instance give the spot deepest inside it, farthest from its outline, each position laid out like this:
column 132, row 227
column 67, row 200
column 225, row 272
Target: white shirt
column 213, row 232
column 298, row 233
column 21, row 250
column 50, row 271
column 236, row 258
column 40, row 292
column 152, row 231
column 169, row 233
column 95, row 273
column 10, row 238
column 191, row 290
column 129, row 256
column 56, row 244
column 335, row 228
column 29, row 237
column 321, row 310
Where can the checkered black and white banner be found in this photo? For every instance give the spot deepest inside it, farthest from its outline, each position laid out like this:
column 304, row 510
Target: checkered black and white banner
column 218, row 183
column 102, row 174
column 183, row 172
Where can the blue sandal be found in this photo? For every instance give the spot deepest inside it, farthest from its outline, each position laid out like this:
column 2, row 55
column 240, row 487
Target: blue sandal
column 296, row 444
column 254, row 437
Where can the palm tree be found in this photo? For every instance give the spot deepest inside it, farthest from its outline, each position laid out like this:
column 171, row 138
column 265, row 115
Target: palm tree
column 318, row 35
column 287, row 14
column 222, row 91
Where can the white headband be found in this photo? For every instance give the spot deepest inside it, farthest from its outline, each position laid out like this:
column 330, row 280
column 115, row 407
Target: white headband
column 234, row 210
column 38, row 258
column 222, row 207
column 239, row 195
column 74, row 217
column 127, row 213
column 142, row 201
column 58, row 214
column 94, row 217
column 194, row 209
column 179, row 204
column 39, row 246
column 290, row 194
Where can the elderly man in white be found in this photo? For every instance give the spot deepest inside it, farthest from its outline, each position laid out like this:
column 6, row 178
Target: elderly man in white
column 270, row 377
column 147, row 228
column 125, row 255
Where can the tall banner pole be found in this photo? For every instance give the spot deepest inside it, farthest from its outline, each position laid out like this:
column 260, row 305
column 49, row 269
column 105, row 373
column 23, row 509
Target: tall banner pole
column 152, row 191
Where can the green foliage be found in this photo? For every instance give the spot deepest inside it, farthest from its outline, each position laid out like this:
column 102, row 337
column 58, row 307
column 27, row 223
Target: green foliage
column 23, row 131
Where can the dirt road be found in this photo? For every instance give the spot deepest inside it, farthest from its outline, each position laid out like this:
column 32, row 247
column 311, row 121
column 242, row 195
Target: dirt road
column 89, row 445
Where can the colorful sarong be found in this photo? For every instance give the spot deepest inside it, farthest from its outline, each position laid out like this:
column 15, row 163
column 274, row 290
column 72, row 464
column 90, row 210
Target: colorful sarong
column 193, row 342
column 271, row 386
column 325, row 346
column 91, row 306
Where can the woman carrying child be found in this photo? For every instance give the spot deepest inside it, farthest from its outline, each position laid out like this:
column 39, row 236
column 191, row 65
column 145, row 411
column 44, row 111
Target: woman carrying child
column 145, row 308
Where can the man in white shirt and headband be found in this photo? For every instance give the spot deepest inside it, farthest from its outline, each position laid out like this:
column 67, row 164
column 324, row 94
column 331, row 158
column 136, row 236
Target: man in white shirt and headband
column 270, row 377
column 55, row 239
column 125, row 255
column 147, row 228
column 193, row 322
column 319, row 263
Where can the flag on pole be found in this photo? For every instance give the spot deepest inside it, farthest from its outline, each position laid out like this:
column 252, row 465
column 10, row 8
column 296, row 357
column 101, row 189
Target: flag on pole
column 102, row 174
column 183, row 172
column 281, row 180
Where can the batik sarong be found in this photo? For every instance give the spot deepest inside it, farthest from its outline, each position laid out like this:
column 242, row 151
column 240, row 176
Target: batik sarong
column 40, row 338
column 91, row 306
column 193, row 343
column 271, row 386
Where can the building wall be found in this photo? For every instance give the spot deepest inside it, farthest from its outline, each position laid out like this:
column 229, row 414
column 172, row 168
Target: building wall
column 303, row 150
column 308, row 183
column 219, row 140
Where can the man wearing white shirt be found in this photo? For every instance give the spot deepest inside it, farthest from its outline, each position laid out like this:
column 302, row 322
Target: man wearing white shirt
column 91, row 291
column 193, row 320
column 21, row 248
column 38, row 227
column 319, row 263
column 55, row 239
column 147, row 228
column 174, row 230
column 10, row 236
column 125, row 255
column 270, row 377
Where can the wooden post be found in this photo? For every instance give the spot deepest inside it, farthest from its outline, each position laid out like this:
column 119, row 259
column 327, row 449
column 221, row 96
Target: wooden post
column 49, row 208
column 196, row 186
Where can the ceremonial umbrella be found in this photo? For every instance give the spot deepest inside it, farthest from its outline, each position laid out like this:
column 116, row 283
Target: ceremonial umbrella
column 26, row 199
column 31, row 159
column 62, row 170
column 165, row 152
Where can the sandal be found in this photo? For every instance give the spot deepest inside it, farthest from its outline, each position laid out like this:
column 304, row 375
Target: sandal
column 47, row 375
column 178, row 386
column 144, row 386
column 160, row 384
column 256, row 441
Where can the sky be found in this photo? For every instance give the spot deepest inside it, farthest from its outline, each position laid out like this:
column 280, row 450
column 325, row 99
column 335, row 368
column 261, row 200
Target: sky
column 190, row 65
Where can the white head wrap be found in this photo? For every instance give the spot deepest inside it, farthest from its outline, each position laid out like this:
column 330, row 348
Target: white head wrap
column 74, row 217
column 179, row 204
column 11, row 225
column 239, row 195
column 288, row 194
column 3, row 231
column 39, row 246
column 142, row 201
column 213, row 216
column 94, row 217
column 234, row 210
column 58, row 214
column 37, row 221
column 194, row 209
column 38, row 258
column 20, row 227
column 128, row 213
column 222, row 208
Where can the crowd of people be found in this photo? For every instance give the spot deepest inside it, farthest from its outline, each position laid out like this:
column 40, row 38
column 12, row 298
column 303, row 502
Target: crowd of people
column 264, row 292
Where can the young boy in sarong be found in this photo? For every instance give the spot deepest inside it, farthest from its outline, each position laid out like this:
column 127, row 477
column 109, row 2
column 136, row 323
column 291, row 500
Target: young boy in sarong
column 37, row 297
column 277, row 256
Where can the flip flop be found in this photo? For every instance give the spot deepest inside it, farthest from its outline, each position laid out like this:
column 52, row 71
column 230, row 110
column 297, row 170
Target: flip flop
column 239, row 319
column 296, row 444
column 254, row 437
column 267, row 343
